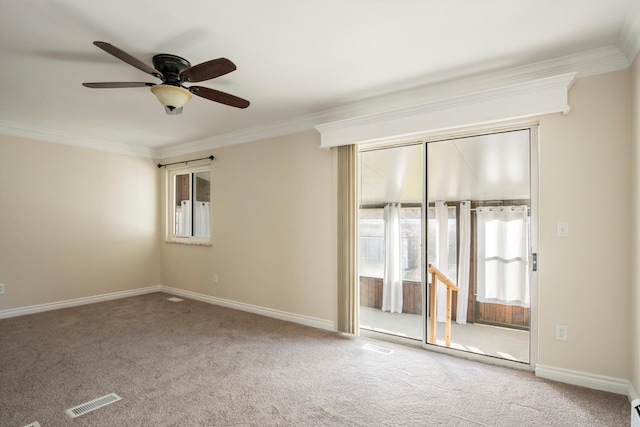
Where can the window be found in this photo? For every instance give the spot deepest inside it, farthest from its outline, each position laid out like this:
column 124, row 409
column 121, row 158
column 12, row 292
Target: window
column 371, row 243
column 189, row 205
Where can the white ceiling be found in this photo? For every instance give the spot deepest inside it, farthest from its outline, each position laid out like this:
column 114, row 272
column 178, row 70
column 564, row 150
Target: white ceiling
column 300, row 62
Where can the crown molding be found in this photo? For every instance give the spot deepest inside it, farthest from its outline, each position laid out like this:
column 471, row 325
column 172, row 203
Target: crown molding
column 57, row 136
column 629, row 37
column 294, row 125
column 584, row 64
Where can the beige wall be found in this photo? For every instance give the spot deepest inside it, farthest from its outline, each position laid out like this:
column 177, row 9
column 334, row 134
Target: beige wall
column 273, row 229
column 585, row 179
column 635, row 301
column 74, row 222
column 77, row 222
column 288, row 263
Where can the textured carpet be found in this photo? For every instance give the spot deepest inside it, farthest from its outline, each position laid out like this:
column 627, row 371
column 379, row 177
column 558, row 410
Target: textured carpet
column 192, row 363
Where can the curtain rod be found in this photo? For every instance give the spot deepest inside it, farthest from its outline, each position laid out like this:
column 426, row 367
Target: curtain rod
column 381, row 205
column 498, row 207
column 419, row 205
column 185, row 161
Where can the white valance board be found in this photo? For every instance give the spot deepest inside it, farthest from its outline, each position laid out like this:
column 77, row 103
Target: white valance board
column 517, row 101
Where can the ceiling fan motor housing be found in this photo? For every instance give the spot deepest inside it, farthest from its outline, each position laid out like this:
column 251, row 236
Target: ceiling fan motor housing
column 170, row 66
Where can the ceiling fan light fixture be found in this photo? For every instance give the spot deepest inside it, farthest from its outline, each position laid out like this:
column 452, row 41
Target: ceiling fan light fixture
column 171, row 96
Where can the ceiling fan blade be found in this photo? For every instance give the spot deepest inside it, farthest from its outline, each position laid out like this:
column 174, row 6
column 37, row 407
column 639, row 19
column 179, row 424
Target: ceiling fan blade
column 116, row 85
column 208, row 70
column 124, row 56
column 217, row 96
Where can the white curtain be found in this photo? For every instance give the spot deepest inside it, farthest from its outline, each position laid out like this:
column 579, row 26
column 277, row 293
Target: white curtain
column 185, row 219
column 464, row 237
column 502, row 238
column 392, row 281
column 202, row 222
column 442, row 257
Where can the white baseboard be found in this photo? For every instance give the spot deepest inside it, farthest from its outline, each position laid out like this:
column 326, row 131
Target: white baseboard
column 277, row 314
column 22, row 311
column 584, row 379
column 282, row 315
column 568, row 376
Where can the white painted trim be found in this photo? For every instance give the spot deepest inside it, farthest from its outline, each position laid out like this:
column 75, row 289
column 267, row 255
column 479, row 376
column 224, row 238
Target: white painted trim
column 534, row 230
column 593, row 62
column 263, row 311
column 273, row 130
column 593, row 381
column 521, row 100
column 277, row 314
column 629, row 37
column 57, row 136
column 23, row 311
column 584, row 379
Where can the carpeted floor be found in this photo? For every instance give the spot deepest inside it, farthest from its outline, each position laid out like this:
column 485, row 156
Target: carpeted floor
column 191, row 363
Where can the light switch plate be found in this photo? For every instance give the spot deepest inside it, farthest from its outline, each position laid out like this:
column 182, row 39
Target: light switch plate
column 563, row 229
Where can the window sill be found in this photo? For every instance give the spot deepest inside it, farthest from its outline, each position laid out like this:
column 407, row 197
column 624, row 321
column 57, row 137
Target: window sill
column 189, row 243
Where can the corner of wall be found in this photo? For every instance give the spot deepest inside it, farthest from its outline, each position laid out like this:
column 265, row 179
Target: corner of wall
column 635, row 300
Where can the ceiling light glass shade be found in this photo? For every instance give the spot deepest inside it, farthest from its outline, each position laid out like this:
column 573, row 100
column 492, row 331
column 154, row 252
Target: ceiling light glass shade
column 171, row 96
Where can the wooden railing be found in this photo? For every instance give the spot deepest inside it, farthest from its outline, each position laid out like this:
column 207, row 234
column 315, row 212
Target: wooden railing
column 435, row 276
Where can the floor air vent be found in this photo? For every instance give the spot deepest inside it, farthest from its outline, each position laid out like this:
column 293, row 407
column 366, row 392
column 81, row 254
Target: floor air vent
column 90, row 406
column 377, row 348
column 175, row 299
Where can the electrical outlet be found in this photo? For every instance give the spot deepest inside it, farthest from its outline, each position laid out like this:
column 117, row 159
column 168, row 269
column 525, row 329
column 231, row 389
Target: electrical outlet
column 1, row 288
column 562, row 332
column 215, row 279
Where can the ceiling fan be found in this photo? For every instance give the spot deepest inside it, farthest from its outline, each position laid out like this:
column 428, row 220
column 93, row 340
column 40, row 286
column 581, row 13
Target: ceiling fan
column 174, row 71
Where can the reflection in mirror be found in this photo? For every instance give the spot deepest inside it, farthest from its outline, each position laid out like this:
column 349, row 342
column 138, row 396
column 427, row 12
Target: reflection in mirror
column 482, row 186
column 473, row 194
column 390, row 259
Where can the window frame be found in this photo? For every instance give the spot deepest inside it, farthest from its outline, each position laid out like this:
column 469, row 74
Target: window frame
column 171, row 174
